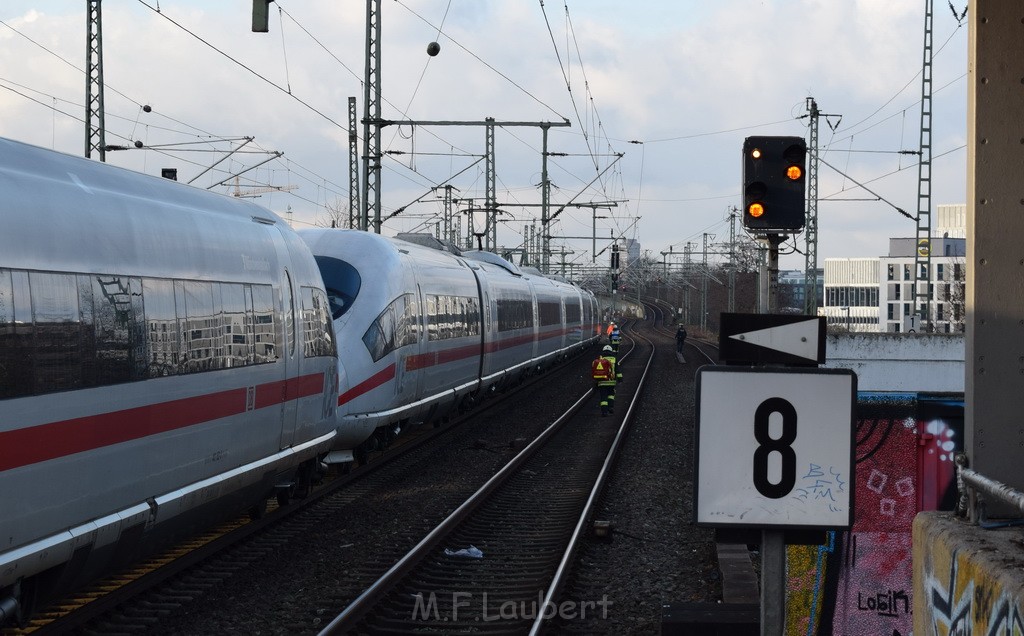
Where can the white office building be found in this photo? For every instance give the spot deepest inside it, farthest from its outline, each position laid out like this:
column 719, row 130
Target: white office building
column 877, row 294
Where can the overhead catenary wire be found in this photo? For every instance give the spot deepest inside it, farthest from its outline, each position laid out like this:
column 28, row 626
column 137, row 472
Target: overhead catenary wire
column 481, row 60
column 243, row 65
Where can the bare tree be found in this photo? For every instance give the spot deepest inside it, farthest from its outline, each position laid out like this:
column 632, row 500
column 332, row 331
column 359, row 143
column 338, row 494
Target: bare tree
column 337, row 215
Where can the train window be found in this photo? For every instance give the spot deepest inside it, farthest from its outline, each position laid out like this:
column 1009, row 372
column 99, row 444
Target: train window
column 6, row 298
column 10, row 358
column 265, row 334
column 514, row 313
column 161, row 327
column 452, row 317
column 115, row 321
column 16, row 335
column 407, row 325
column 473, row 317
column 433, row 328
column 380, row 337
column 200, row 326
column 317, row 329
column 342, row 282
column 397, row 325
column 65, row 331
column 57, row 358
column 87, row 317
column 237, row 342
column 469, row 316
column 572, row 312
column 550, row 313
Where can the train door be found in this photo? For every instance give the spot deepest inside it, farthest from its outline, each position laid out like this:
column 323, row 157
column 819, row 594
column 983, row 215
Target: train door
column 289, row 408
column 486, row 337
column 535, row 322
column 290, row 353
column 400, row 309
column 417, row 311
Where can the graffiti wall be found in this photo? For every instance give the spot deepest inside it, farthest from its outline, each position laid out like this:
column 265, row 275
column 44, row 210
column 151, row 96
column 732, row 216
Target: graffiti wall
column 971, row 586
column 861, row 581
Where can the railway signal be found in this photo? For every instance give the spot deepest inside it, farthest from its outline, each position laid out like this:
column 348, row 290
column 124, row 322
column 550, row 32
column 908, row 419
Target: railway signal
column 773, row 184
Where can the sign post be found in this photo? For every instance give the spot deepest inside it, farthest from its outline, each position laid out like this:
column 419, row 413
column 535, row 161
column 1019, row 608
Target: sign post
column 775, row 444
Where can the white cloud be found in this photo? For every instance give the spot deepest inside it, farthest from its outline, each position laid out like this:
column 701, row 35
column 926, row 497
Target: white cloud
column 691, row 80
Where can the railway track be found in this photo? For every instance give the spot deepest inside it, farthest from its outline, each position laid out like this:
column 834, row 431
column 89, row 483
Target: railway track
column 498, row 563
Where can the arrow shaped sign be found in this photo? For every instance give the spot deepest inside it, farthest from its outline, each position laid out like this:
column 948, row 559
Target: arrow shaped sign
column 772, row 338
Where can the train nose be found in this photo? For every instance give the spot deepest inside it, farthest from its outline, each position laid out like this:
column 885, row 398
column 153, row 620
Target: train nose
column 351, row 430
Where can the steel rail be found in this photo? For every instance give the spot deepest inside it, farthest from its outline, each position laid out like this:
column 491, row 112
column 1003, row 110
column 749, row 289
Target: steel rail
column 561, row 574
column 357, row 608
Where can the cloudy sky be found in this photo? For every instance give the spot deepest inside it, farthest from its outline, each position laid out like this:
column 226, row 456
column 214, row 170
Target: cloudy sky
column 673, row 86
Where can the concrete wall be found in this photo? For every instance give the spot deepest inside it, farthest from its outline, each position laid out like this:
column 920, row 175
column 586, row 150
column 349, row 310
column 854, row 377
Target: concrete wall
column 967, row 580
column 914, row 363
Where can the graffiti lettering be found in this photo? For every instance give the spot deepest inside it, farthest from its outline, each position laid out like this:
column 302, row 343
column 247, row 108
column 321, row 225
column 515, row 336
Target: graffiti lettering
column 886, row 603
column 816, row 484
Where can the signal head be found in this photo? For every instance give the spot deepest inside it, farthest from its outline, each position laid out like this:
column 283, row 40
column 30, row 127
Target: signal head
column 773, row 184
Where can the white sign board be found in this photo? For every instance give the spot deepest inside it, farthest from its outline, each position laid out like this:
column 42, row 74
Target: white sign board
column 775, row 447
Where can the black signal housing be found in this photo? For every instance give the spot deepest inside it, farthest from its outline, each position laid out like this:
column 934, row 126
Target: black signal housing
column 774, row 184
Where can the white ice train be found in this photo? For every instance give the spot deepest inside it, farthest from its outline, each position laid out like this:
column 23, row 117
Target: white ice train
column 422, row 331
column 166, row 356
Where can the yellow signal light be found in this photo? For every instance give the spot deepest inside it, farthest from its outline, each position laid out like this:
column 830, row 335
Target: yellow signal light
column 755, row 210
column 756, row 153
column 794, row 172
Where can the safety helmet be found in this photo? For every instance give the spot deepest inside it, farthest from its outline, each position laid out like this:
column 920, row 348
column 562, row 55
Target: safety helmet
column 607, row 348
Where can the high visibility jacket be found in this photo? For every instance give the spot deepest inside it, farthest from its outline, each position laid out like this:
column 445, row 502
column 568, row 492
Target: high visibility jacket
column 612, row 374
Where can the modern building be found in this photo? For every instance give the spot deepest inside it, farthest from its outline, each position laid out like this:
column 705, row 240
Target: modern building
column 877, row 294
column 945, row 284
column 792, row 292
column 632, row 251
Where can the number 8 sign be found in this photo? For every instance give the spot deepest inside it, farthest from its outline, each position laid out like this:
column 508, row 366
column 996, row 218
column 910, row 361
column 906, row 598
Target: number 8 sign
column 775, row 447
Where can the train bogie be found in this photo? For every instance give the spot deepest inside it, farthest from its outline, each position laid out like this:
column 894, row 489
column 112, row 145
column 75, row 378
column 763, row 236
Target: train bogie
column 165, row 354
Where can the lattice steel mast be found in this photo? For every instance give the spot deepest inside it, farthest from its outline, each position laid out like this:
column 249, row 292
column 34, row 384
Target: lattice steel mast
column 95, row 136
column 811, row 225
column 354, row 209
column 371, row 120
column 922, row 251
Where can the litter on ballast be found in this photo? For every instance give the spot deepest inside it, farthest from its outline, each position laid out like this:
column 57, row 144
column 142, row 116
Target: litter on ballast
column 472, row 552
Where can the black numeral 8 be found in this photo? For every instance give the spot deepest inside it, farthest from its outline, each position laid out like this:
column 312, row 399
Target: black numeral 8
column 768, row 445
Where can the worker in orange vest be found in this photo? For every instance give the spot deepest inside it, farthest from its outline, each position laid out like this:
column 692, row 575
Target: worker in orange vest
column 605, row 375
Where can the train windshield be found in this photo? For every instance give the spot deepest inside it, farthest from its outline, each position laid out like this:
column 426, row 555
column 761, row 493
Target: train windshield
column 342, row 282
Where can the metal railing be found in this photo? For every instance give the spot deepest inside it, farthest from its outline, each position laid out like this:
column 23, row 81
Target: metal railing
column 971, row 485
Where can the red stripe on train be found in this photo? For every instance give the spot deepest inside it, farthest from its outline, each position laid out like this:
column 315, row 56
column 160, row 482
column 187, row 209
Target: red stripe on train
column 370, row 383
column 434, row 358
column 59, row 439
